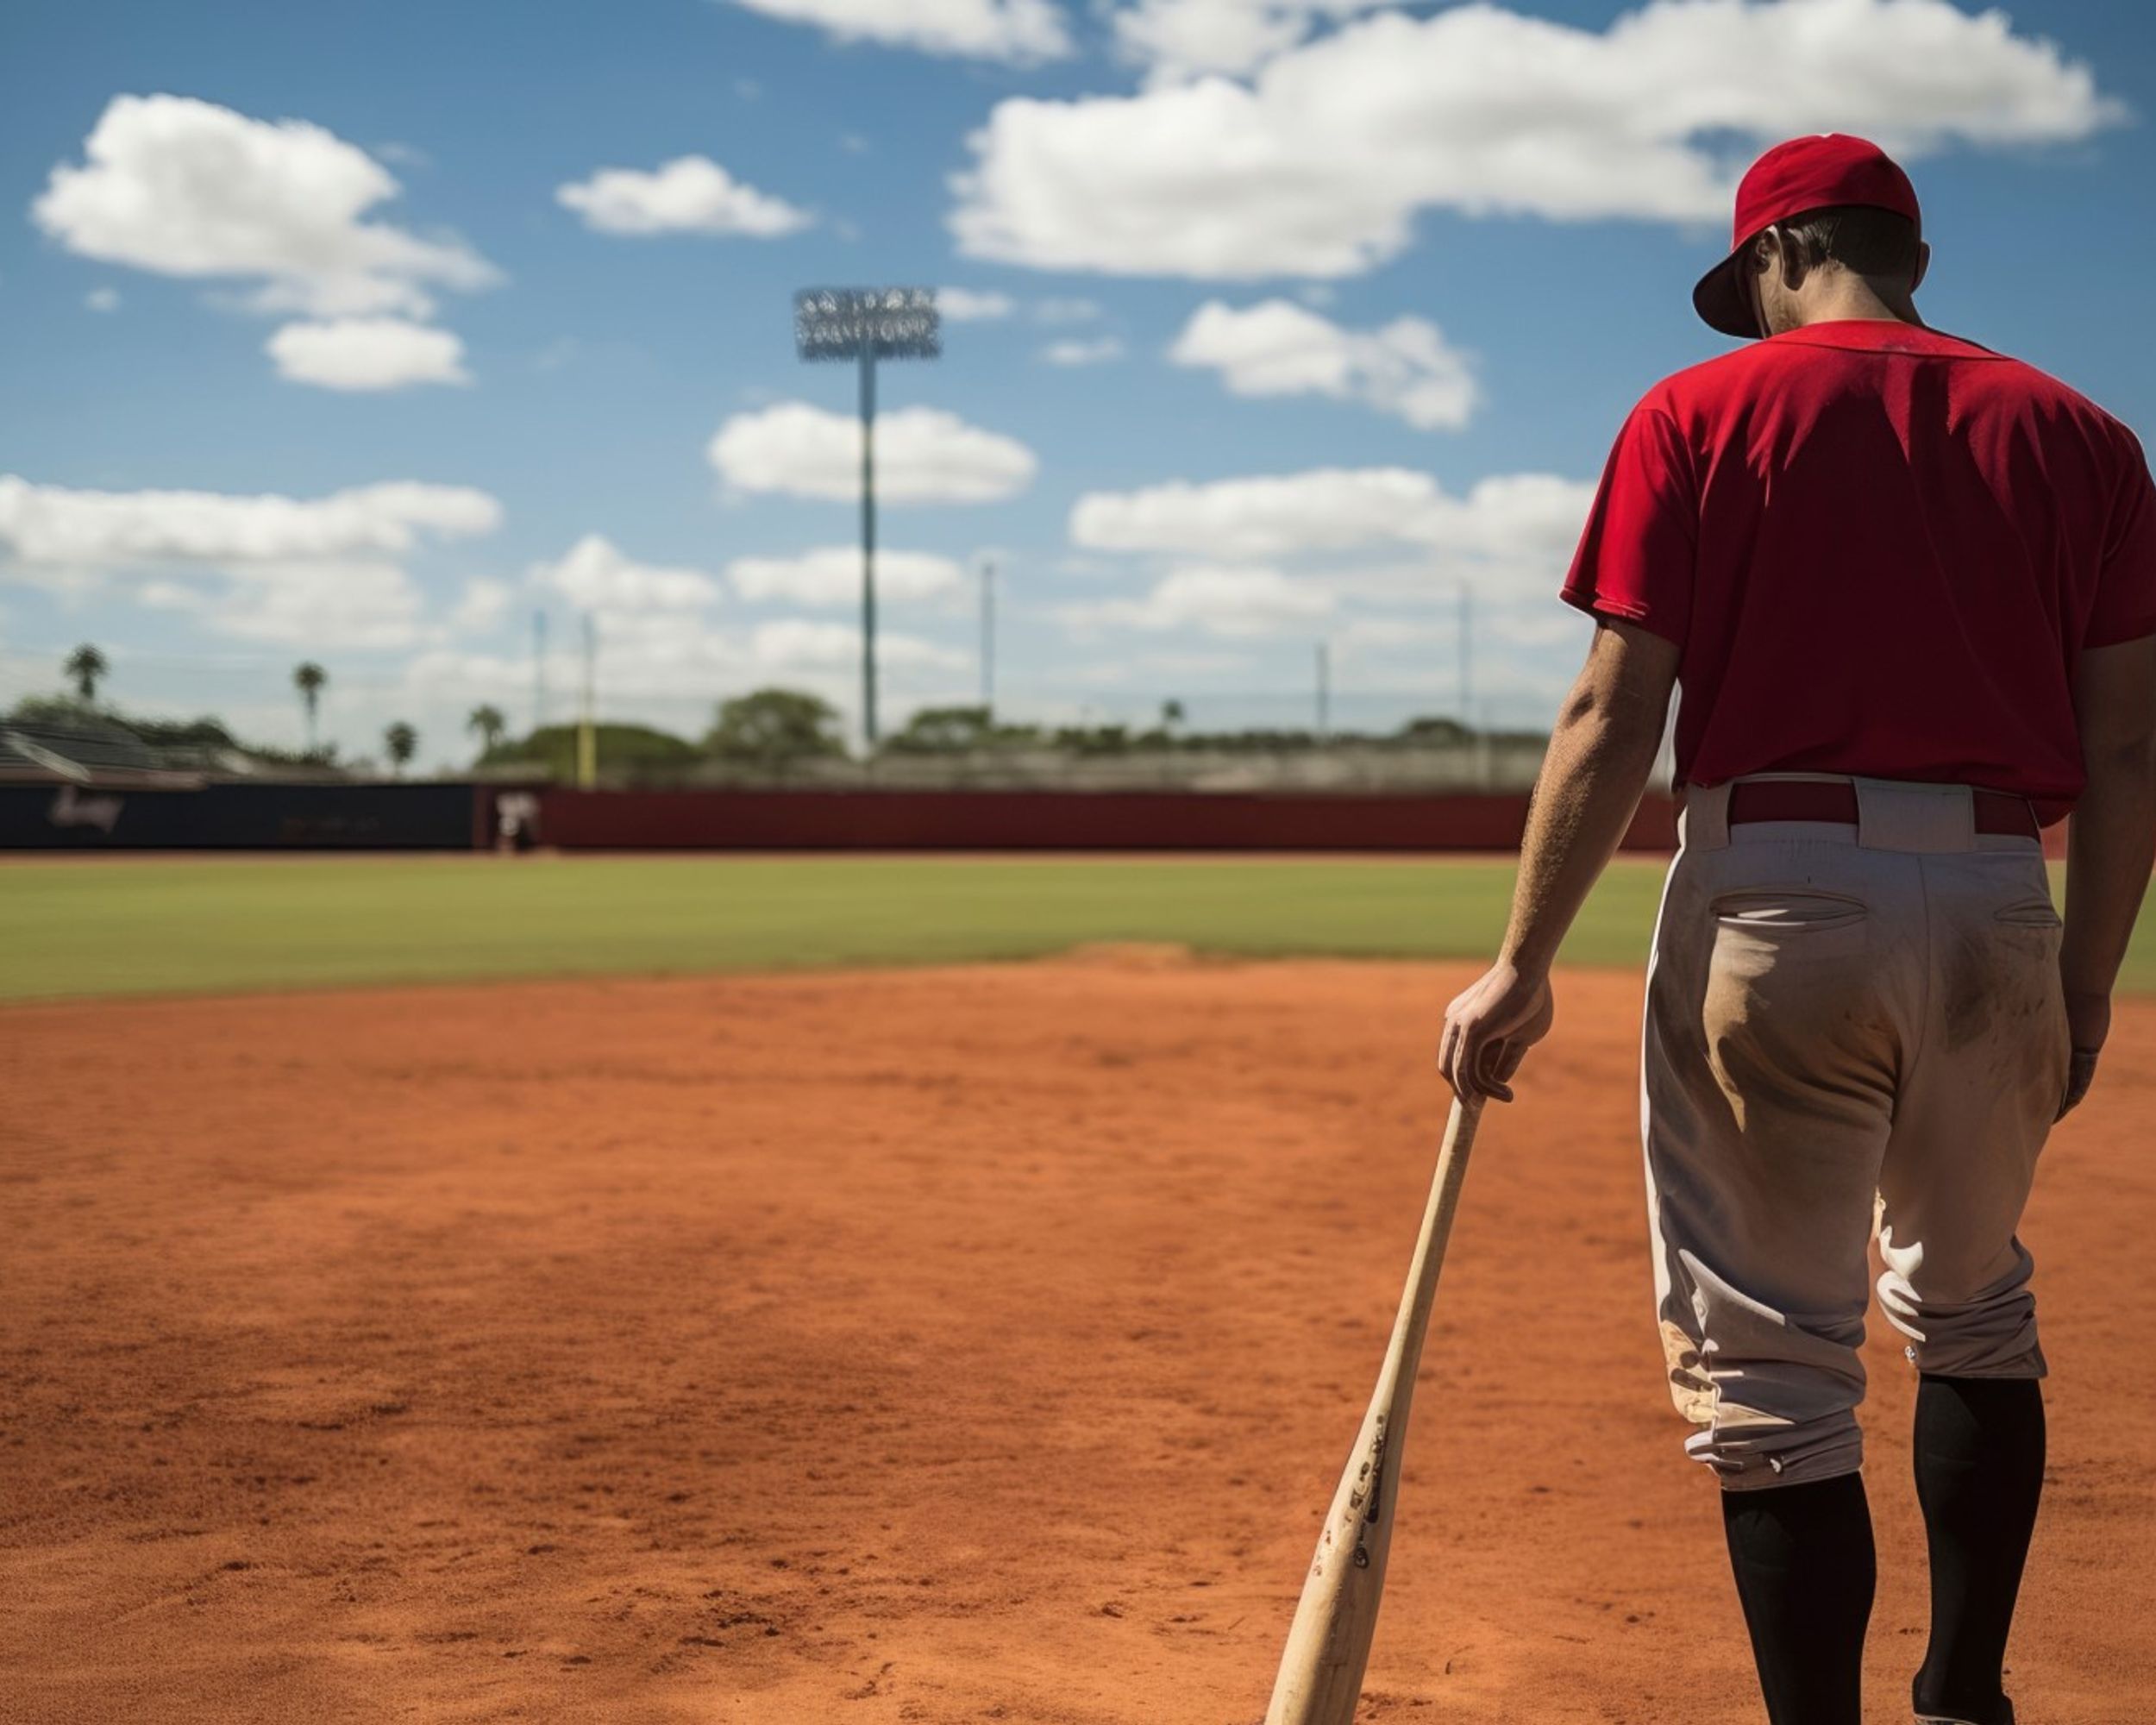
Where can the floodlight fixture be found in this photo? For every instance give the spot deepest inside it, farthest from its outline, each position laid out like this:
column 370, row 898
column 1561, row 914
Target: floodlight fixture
column 865, row 324
column 877, row 323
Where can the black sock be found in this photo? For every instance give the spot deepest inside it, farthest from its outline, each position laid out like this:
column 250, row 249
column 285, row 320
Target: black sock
column 1805, row 1571
column 1980, row 1471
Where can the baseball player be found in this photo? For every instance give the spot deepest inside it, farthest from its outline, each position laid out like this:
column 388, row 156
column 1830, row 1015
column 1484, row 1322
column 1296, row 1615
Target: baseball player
column 1906, row 589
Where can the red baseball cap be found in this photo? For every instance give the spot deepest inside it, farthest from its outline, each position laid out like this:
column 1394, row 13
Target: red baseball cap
column 1805, row 173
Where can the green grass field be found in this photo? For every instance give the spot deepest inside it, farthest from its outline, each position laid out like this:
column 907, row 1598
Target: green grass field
column 210, row 926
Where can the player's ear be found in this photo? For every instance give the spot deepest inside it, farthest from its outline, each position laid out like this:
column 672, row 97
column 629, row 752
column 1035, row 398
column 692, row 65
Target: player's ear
column 1923, row 264
column 1786, row 255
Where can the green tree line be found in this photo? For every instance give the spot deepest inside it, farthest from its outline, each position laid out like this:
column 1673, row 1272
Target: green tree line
column 771, row 728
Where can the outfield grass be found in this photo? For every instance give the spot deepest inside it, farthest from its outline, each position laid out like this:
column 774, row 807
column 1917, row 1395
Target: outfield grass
column 177, row 925
column 210, row 924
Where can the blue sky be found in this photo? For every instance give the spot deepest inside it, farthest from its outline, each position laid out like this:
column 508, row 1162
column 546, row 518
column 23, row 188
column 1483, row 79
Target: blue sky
column 1316, row 270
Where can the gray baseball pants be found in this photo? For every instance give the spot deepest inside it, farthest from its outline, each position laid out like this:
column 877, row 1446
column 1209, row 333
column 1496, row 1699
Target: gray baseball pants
column 1851, row 1031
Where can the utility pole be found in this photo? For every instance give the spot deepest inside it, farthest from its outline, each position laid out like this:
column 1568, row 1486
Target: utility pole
column 538, row 671
column 587, row 729
column 1467, row 656
column 865, row 325
column 988, row 635
column 1324, row 691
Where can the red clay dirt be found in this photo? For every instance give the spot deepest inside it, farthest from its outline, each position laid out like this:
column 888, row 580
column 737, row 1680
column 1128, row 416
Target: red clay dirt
column 937, row 1346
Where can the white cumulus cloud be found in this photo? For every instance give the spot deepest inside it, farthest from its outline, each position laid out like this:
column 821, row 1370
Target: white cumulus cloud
column 1220, row 600
column 971, row 305
column 793, row 642
column 486, row 602
column 830, row 575
column 1511, row 519
column 183, row 187
column 1279, row 348
column 353, row 604
column 1265, row 516
column 1077, row 353
column 288, row 570
column 595, row 574
column 1178, row 39
column 366, row 353
column 1019, row 32
column 1319, row 164
column 923, row 455
column 56, row 527
column 688, row 194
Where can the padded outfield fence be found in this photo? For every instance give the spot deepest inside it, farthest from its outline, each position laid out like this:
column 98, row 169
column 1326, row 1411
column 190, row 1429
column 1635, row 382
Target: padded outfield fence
column 466, row 816
column 246, row 817
column 1048, row 820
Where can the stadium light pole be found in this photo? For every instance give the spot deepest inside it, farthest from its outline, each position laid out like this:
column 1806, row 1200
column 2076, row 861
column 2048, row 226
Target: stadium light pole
column 865, row 324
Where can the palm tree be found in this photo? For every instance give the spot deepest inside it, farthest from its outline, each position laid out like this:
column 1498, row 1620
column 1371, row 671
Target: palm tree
column 310, row 678
column 488, row 722
column 85, row 665
column 403, row 743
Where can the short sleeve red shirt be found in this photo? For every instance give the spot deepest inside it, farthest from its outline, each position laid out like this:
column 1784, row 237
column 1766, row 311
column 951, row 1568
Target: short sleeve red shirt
column 1881, row 550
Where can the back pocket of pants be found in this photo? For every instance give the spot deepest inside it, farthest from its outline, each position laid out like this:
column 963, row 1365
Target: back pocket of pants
column 1791, row 910
column 2029, row 913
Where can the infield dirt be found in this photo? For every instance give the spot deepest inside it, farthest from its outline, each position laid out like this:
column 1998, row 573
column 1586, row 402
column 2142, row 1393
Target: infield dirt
column 951, row 1345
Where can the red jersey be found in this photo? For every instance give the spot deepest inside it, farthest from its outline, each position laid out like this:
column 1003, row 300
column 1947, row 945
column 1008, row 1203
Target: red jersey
column 1882, row 550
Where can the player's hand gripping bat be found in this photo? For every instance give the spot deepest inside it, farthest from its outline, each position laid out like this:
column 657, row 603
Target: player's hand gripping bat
column 1329, row 1643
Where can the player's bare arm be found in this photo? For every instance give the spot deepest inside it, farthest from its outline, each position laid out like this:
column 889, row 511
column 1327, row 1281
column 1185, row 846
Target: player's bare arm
column 1600, row 753
column 2112, row 843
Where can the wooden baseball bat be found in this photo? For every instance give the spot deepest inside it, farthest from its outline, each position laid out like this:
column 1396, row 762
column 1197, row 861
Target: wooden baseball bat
column 1329, row 1643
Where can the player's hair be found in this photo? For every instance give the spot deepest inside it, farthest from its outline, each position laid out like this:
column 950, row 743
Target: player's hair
column 1864, row 240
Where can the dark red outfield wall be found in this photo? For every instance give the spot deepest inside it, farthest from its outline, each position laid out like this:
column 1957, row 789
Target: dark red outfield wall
column 1047, row 821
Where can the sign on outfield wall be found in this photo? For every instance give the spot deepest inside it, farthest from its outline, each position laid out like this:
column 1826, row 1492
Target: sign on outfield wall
column 245, row 818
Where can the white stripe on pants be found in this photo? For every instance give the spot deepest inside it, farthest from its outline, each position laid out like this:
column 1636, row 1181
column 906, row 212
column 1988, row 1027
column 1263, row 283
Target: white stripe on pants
column 1848, row 1027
